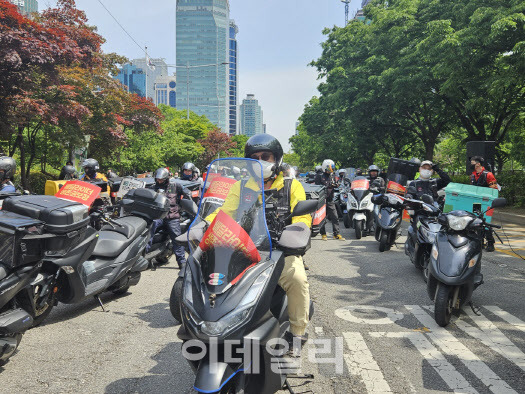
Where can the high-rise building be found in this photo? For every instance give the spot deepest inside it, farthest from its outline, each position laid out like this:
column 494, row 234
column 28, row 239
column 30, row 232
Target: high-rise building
column 234, row 77
column 166, row 91
column 297, row 127
column 251, row 117
column 203, row 28
column 137, row 74
column 26, row 7
column 133, row 78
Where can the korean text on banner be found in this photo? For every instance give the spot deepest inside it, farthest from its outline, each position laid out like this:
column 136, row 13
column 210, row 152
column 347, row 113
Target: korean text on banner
column 78, row 191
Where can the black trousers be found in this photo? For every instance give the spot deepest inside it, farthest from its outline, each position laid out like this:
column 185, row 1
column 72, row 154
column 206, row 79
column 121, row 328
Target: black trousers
column 331, row 215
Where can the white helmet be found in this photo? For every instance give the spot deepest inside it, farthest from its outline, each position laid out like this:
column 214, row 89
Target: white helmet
column 328, row 166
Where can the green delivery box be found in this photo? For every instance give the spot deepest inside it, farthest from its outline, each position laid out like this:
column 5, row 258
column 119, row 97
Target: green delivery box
column 460, row 197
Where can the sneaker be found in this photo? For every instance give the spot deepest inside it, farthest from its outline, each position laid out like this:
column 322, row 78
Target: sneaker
column 295, row 343
column 324, row 237
column 490, row 247
column 340, row 237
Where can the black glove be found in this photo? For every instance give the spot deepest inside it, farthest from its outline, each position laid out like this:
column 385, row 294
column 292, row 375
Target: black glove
column 435, row 167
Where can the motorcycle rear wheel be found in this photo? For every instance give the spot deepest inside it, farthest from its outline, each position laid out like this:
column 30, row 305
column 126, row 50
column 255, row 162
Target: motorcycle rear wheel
column 443, row 304
column 29, row 305
column 175, row 299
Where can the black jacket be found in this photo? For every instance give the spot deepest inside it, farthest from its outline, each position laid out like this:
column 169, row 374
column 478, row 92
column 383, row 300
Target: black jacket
column 431, row 186
column 174, row 192
column 328, row 180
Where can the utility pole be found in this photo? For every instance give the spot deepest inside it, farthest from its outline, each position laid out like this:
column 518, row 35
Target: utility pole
column 347, row 10
column 146, row 69
column 188, row 90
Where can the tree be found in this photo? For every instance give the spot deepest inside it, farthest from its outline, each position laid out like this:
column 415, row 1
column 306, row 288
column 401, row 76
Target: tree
column 240, row 140
column 215, row 144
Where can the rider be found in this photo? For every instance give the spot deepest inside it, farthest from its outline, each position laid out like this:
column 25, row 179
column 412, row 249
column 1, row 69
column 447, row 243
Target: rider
column 483, row 178
column 293, row 280
column 90, row 171
column 327, row 179
column 174, row 192
column 373, row 176
column 68, row 172
column 188, row 172
column 425, row 184
column 7, row 172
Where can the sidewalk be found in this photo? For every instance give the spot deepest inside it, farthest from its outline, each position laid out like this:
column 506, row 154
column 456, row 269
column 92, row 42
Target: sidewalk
column 513, row 222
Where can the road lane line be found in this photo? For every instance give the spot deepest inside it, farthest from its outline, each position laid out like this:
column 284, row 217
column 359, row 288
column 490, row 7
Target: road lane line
column 511, row 319
column 452, row 346
column 455, row 381
column 492, row 337
column 361, row 362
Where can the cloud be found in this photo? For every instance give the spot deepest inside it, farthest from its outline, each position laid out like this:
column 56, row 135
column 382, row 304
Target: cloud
column 282, row 94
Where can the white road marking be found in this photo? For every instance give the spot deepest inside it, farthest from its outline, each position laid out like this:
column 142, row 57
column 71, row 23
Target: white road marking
column 346, row 314
column 511, row 319
column 361, row 362
column 435, row 358
column 319, row 331
column 492, row 337
column 452, row 346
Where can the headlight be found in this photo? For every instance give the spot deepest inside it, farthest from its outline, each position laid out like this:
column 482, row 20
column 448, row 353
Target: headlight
column 353, row 201
column 364, row 203
column 459, row 223
column 243, row 310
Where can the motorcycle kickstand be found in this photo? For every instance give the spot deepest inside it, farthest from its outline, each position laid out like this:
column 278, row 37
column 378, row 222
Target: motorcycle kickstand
column 97, row 297
column 293, row 376
column 474, row 308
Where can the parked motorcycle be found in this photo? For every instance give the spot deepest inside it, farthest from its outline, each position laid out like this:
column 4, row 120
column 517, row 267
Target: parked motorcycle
column 455, row 260
column 231, row 292
column 389, row 211
column 78, row 261
column 360, row 207
column 422, row 231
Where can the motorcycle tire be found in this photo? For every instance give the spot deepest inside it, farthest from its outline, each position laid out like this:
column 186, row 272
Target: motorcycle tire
column 18, row 338
column 42, row 313
column 175, row 300
column 383, row 241
column 346, row 220
column 377, row 233
column 121, row 291
column 443, row 304
column 339, row 210
column 358, row 226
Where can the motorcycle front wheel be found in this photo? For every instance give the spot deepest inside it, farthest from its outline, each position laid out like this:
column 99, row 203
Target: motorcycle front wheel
column 383, row 241
column 443, row 304
column 39, row 308
column 175, row 299
column 346, row 220
column 358, row 226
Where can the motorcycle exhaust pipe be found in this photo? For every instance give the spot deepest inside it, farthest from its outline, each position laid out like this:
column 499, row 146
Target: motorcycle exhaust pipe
column 8, row 346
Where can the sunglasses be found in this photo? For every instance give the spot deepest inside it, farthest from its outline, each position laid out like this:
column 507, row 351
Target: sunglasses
column 265, row 156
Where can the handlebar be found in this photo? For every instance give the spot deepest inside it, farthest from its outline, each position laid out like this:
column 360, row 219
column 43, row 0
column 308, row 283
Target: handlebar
column 492, row 225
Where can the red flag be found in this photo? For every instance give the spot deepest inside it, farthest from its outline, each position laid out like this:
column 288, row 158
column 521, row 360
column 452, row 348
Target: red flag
column 78, row 191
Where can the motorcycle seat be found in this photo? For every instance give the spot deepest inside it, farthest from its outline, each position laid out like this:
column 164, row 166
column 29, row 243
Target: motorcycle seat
column 112, row 242
column 129, row 226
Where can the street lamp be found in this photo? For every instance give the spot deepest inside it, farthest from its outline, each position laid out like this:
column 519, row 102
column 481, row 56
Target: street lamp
column 187, row 67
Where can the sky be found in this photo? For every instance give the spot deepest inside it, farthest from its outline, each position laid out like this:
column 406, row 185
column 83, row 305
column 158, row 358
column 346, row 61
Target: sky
column 277, row 39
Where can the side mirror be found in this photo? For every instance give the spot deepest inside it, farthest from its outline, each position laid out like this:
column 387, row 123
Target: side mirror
column 189, row 206
column 427, row 199
column 305, row 207
column 499, row 203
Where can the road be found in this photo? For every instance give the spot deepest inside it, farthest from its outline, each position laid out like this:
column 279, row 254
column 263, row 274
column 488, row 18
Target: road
column 372, row 309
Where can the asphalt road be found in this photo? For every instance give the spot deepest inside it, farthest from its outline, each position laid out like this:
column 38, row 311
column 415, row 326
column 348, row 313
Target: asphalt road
column 371, row 310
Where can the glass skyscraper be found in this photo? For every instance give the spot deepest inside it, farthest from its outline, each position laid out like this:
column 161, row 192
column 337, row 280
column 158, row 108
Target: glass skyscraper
column 234, row 76
column 26, row 7
column 251, row 117
column 203, row 28
column 133, row 78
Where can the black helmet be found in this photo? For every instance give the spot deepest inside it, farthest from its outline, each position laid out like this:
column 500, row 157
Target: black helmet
column 373, row 167
column 7, row 168
column 69, row 172
column 264, row 142
column 162, row 173
column 188, row 166
column 90, row 167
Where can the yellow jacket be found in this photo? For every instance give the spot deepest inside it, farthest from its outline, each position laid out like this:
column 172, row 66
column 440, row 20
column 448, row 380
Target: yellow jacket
column 234, row 196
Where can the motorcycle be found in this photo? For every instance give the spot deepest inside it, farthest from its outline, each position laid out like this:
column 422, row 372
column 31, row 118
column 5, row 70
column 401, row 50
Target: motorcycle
column 360, row 207
column 231, row 295
column 455, row 260
column 389, row 211
column 422, row 231
column 78, row 261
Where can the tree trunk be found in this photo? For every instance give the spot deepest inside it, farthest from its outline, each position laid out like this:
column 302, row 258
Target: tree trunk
column 21, row 146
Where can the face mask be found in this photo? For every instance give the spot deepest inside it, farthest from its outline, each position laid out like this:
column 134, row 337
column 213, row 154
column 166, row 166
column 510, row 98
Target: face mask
column 268, row 168
column 187, row 177
column 425, row 174
column 472, row 167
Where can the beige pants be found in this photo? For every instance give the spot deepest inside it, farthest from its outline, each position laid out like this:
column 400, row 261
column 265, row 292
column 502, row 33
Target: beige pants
column 293, row 280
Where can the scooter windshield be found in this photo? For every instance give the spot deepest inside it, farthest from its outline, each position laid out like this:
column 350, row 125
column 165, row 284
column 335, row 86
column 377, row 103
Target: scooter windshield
column 360, row 187
column 230, row 234
column 396, row 184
